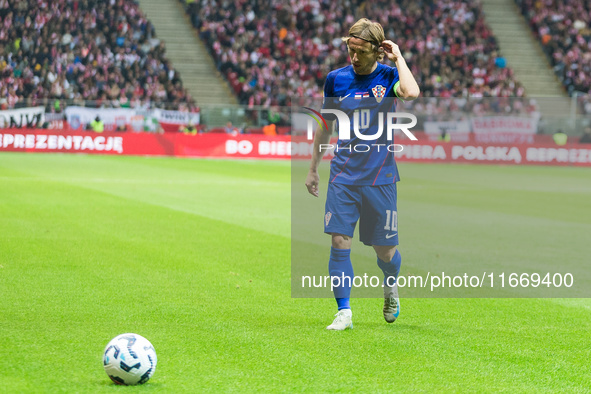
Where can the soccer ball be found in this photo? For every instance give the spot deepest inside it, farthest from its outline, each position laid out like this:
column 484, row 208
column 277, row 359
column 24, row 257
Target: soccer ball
column 129, row 359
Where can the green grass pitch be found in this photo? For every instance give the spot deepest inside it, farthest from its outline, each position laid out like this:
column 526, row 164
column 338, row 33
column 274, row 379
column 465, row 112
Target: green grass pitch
column 195, row 256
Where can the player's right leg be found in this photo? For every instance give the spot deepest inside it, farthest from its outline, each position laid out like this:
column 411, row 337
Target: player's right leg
column 342, row 213
column 341, row 272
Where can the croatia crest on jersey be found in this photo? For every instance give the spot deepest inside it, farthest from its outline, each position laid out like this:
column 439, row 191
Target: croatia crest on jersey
column 378, row 92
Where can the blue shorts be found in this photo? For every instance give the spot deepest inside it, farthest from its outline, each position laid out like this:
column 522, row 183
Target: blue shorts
column 373, row 206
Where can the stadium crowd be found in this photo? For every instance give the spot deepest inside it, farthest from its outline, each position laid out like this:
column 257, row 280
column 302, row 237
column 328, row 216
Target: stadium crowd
column 564, row 28
column 273, row 51
column 84, row 50
column 461, row 108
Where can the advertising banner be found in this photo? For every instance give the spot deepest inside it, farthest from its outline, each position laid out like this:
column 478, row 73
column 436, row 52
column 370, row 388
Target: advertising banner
column 281, row 147
column 177, row 118
column 504, row 124
column 22, row 117
column 79, row 117
column 130, row 119
column 459, row 126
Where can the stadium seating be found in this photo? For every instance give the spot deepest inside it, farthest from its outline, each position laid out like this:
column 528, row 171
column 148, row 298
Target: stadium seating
column 84, row 51
column 272, row 53
column 564, row 30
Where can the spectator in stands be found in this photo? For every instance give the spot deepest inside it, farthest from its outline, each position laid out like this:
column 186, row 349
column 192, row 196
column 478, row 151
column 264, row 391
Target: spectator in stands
column 270, row 130
column 97, row 125
column 189, row 129
column 444, row 136
column 560, row 138
column 273, row 115
column 231, row 129
column 564, row 28
column 586, row 137
column 83, row 50
column 273, row 53
column 277, row 117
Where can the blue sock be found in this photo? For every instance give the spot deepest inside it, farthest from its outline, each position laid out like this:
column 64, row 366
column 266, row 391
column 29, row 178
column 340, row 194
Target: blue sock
column 391, row 269
column 340, row 266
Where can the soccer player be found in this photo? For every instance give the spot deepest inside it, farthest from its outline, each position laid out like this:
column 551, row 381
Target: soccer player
column 362, row 185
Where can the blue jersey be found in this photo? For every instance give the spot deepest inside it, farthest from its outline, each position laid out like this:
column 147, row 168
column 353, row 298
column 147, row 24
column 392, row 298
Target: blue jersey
column 349, row 92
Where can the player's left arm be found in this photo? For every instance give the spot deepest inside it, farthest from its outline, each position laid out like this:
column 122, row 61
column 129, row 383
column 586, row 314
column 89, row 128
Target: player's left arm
column 407, row 88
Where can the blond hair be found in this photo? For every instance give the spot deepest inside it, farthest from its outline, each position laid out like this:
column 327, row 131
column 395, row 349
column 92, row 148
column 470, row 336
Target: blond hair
column 369, row 31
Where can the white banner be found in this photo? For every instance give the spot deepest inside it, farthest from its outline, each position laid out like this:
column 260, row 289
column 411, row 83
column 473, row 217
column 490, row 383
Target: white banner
column 176, row 117
column 79, row 117
column 51, row 116
column 504, row 138
column 54, row 121
column 504, row 124
column 22, row 117
column 459, row 126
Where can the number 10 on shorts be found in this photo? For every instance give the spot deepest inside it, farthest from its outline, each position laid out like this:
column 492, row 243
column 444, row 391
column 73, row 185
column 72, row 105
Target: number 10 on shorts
column 391, row 220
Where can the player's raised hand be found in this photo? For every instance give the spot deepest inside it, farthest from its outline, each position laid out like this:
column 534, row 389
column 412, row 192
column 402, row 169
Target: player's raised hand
column 312, row 181
column 391, row 50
